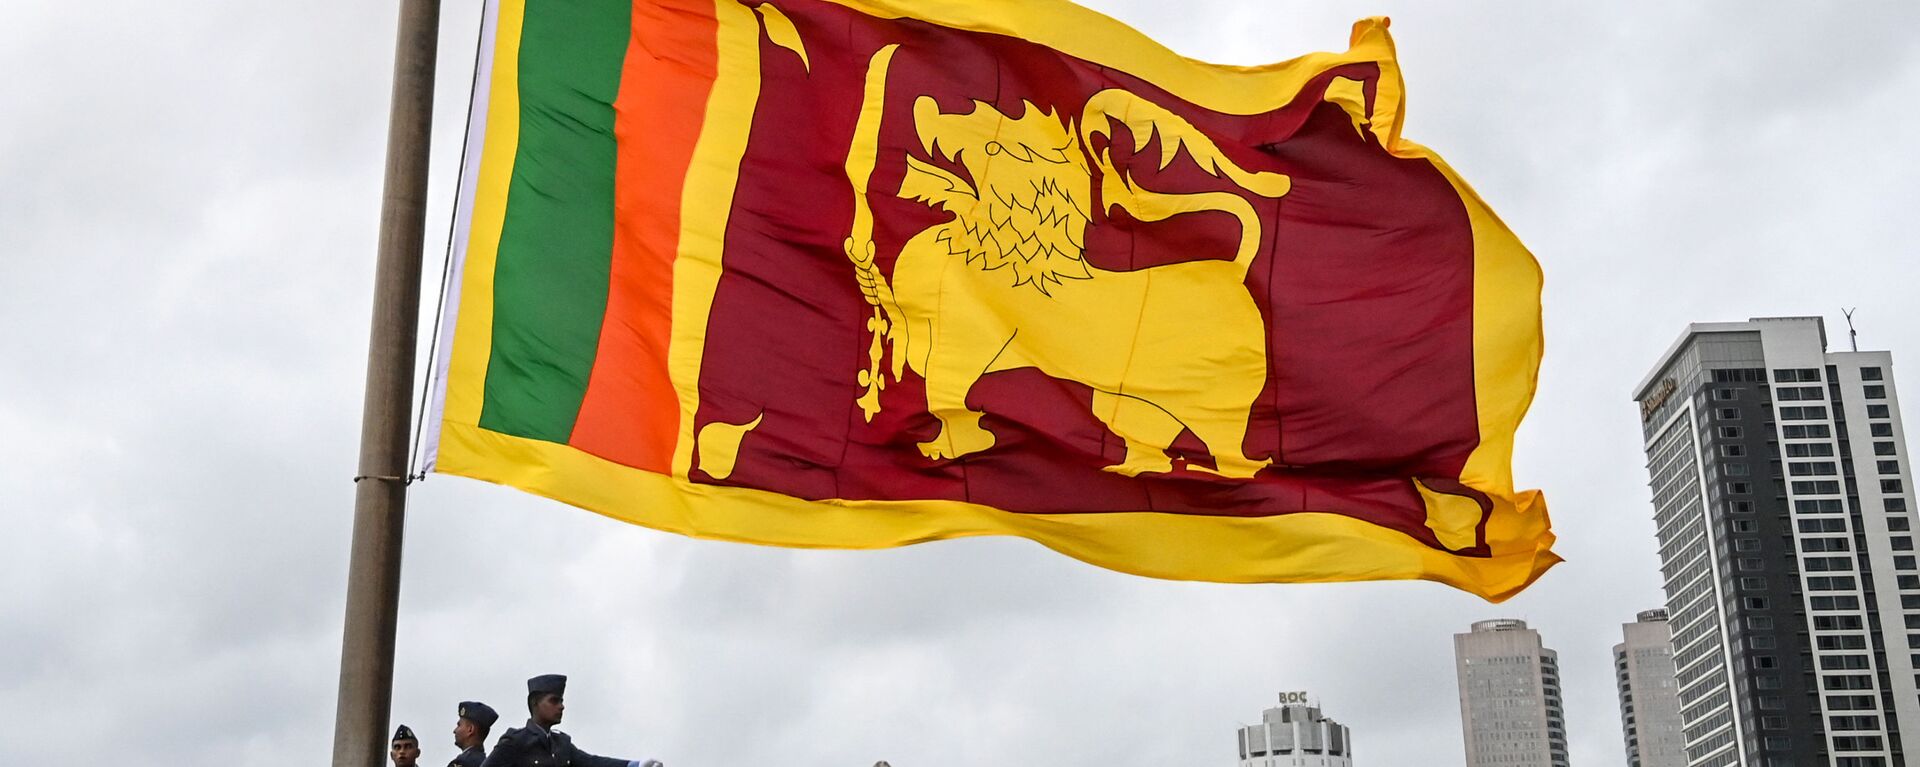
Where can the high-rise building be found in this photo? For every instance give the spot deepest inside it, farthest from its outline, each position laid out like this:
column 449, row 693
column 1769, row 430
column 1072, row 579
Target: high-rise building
column 1783, row 503
column 1510, row 710
column 1295, row 734
column 1649, row 696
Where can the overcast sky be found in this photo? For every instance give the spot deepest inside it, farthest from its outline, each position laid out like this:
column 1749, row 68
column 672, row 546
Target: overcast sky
column 188, row 201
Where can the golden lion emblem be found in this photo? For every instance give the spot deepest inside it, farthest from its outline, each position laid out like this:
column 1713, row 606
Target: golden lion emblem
column 1004, row 283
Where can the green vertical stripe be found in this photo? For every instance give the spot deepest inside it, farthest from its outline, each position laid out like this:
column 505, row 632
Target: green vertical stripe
column 550, row 279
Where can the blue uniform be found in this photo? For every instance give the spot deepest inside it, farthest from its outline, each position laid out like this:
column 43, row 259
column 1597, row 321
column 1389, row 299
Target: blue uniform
column 533, row 746
column 472, row 757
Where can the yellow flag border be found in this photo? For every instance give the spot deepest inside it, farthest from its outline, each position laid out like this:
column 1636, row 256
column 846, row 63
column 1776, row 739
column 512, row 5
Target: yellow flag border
column 1304, row 547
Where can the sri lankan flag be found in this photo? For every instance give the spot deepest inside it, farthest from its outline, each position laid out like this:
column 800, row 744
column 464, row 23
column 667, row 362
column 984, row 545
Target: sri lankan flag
column 866, row 273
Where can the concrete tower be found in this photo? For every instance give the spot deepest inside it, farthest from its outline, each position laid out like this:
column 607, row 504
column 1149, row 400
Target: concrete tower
column 1783, row 503
column 1510, row 712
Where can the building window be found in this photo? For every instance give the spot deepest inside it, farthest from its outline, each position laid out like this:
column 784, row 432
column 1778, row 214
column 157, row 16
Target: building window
column 1803, row 413
column 1737, row 470
column 1823, row 487
column 1753, row 584
column 1727, row 414
column 1875, row 392
column 1905, row 563
column 1901, row 543
column 1810, row 450
column 1898, row 524
column 1857, row 743
column 1733, row 451
column 1823, row 525
column 1851, row 703
column 1752, row 564
column 1878, row 411
column 1754, row 603
column 1814, row 431
column 1746, row 544
column 1894, row 505
column 1891, row 486
column 1848, row 642
column 1881, row 448
column 1870, row 374
column 1740, row 488
column 1887, row 467
column 1819, row 506
column 1843, row 663
column 1745, row 526
column 1813, row 469
column 1881, row 429
column 1730, row 432
column 1801, row 394
column 1761, row 643
column 1726, row 394
column 1759, row 622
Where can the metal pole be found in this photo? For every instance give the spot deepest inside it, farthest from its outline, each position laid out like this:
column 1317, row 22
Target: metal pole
column 379, row 502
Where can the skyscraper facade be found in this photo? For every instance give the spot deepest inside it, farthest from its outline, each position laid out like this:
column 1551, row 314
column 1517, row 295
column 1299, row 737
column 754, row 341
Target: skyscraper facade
column 1783, row 504
column 1649, row 696
column 1295, row 734
column 1510, row 711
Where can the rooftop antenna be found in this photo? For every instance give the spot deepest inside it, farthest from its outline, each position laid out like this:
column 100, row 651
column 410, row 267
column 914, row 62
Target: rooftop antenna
column 1853, row 336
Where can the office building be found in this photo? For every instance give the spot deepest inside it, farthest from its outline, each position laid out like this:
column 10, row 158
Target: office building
column 1510, row 711
column 1295, row 734
column 1783, row 504
column 1649, row 696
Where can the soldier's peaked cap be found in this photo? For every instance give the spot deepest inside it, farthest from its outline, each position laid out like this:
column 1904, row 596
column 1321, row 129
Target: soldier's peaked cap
column 478, row 713
column 548, row 684
column 404, row 733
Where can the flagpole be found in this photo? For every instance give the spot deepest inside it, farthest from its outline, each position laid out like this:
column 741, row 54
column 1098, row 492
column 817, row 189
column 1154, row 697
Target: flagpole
column 379, row 502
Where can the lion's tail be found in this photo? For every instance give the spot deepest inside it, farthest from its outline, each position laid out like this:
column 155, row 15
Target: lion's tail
column 1145, row 119
column 1147, row 205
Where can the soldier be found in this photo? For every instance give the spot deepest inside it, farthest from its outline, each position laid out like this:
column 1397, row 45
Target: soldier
column 538, row 744
column 405, row 748
column 470, row 734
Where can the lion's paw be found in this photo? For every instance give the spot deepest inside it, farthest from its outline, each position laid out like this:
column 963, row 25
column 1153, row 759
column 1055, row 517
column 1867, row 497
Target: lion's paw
column 1136, row 465
column 1234, row 468
column 955, row 441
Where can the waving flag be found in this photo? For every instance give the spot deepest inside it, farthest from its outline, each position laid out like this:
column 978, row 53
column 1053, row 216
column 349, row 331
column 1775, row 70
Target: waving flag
column 865, row 273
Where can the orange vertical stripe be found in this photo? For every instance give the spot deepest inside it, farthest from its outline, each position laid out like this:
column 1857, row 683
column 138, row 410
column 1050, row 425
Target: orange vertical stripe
column 631, row 413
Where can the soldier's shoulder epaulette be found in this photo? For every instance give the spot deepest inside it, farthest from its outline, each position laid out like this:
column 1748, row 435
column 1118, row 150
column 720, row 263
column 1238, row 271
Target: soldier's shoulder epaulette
column 514, row 734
